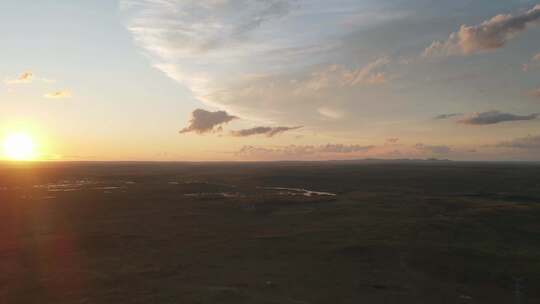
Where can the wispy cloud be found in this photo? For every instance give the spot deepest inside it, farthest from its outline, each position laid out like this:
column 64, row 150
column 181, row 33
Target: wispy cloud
column 203, row 121
column 338, row 76
column 58, row 95
column 394, row 140
column 24, row 78
column 201, row 26
column 267, row 131
column 487, row 36
column 495, row 117
column 370, row 74
column 330, row 113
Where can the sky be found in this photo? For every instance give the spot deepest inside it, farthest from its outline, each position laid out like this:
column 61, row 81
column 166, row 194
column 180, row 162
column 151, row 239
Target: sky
column 212, row 80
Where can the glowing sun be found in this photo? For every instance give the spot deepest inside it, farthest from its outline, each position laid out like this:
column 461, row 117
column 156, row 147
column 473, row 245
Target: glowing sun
column 19, row 147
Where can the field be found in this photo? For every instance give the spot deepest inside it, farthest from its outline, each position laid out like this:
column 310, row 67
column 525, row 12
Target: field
column 369, row 232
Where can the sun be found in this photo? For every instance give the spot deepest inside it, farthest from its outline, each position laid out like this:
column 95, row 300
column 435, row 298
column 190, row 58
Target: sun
column 19, row 147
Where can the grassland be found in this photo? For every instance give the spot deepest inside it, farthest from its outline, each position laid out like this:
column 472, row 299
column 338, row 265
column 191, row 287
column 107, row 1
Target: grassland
column 395, row 232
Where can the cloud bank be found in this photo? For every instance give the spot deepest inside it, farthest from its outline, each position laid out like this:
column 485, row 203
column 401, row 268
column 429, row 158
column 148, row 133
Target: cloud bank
column 203, row 121
column 526, row 143
column 433, row 149
column 347, row 151
column 495, row 117
column 299, row 151
column 487, row 36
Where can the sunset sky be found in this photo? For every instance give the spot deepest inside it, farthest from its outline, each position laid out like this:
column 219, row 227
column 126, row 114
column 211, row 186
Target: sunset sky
column 190, row 80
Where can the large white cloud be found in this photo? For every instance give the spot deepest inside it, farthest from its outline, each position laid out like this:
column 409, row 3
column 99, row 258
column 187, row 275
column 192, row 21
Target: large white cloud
column 259, row 59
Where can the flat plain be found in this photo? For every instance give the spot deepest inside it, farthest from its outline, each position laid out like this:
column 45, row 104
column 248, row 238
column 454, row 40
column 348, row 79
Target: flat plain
column 286, row 232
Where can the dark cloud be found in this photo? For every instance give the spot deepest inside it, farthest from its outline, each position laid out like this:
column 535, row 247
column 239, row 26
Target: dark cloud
column 268, row 131
column 495, row 117
column 203, row 121
column 433, row 149
column 447, row 116
column 489, row 35
column 527, row 143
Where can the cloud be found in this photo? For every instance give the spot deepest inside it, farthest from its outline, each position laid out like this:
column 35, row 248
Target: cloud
column 447, row 116
column 267, row 131
column 331, row 113
column 392, row 140
column 433, row 148
column 24, row 78
column 487, row 36
column 495, row 117
column 526, row 143
column 536, row 57
column 203, row 121
column 58, row 95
